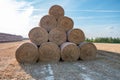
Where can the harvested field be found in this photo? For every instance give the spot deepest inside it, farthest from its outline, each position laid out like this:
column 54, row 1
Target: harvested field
column 106, row 66
column 108, row 47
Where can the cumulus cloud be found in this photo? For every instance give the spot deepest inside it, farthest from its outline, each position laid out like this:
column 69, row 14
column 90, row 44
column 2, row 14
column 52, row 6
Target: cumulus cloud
column 13, row 19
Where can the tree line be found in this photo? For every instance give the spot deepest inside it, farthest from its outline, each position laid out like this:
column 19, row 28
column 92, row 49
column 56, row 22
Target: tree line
column 103, row 40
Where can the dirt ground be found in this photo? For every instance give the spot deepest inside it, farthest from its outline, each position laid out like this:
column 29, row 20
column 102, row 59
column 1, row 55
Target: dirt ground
column 106, row 66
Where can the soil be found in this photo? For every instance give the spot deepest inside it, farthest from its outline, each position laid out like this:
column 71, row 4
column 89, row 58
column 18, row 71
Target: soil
column 106, row 66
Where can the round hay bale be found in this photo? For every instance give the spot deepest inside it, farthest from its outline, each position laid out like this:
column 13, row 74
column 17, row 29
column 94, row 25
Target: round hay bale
column 56, row 11
column 76, row 36
column 65, row 22
column 49, row 51
column 38, row 35
column 57, row 35
column 88, row 51
column 70, row 51
column 27, row 53
column 48, row 22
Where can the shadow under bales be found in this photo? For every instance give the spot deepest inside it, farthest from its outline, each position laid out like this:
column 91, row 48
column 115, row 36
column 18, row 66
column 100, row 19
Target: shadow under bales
column 105, row 66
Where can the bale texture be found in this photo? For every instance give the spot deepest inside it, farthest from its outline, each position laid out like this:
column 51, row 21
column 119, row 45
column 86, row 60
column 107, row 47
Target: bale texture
column 49, row 52
column 65, row 22
column 56, row 11
column 70, row 51
column 88, row 51
column 27, row 53
column 48, row 22
column 76, row 36
column 57, row 35
column 38, row 35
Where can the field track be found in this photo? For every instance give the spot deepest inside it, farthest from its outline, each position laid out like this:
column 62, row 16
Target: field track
column 105, row 67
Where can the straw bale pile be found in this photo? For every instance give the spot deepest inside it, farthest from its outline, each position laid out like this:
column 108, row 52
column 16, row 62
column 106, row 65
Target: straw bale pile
column 55, row 39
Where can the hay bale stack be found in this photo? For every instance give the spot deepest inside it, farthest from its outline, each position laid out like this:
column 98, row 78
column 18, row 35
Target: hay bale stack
column 70, row 51
column 76, row 36
column 38, row 35
column 56, row 11
column 48, row 22
column 49, row 51
column 27, row 53
column 57, row 35
column 88, row 51
column 55, row 39
column 66, row 23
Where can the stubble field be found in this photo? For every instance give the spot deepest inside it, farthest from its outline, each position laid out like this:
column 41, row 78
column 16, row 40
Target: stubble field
column 106, row 66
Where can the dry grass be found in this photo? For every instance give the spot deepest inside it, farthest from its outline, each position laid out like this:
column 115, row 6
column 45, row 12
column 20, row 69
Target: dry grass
column 108, row 47
column 9, row 68
column 102, row 66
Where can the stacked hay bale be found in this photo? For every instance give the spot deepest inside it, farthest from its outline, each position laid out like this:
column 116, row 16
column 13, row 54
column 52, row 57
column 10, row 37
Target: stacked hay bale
column 55, row 38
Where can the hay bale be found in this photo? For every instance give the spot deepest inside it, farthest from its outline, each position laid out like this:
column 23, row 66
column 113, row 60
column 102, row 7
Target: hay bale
column 76, row 36
column 48, row 22
column 38, row 35
column 88, row 51
column 49, row 51
column 70, row 51
column 56, row 11
column 57, row 35
column 65, row 22
column 27, row 53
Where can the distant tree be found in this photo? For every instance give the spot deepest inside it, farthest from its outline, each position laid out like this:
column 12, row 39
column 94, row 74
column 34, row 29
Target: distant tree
column 103, row 40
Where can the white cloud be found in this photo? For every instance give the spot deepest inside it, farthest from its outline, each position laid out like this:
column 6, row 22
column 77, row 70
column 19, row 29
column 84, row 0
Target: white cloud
column 12, row 20
column 18, row 18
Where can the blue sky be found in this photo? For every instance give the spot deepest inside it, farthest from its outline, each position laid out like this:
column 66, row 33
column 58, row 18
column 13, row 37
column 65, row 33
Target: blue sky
column 97, row 18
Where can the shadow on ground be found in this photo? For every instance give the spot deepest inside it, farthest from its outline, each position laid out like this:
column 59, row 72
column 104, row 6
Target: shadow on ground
column 106, row 66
